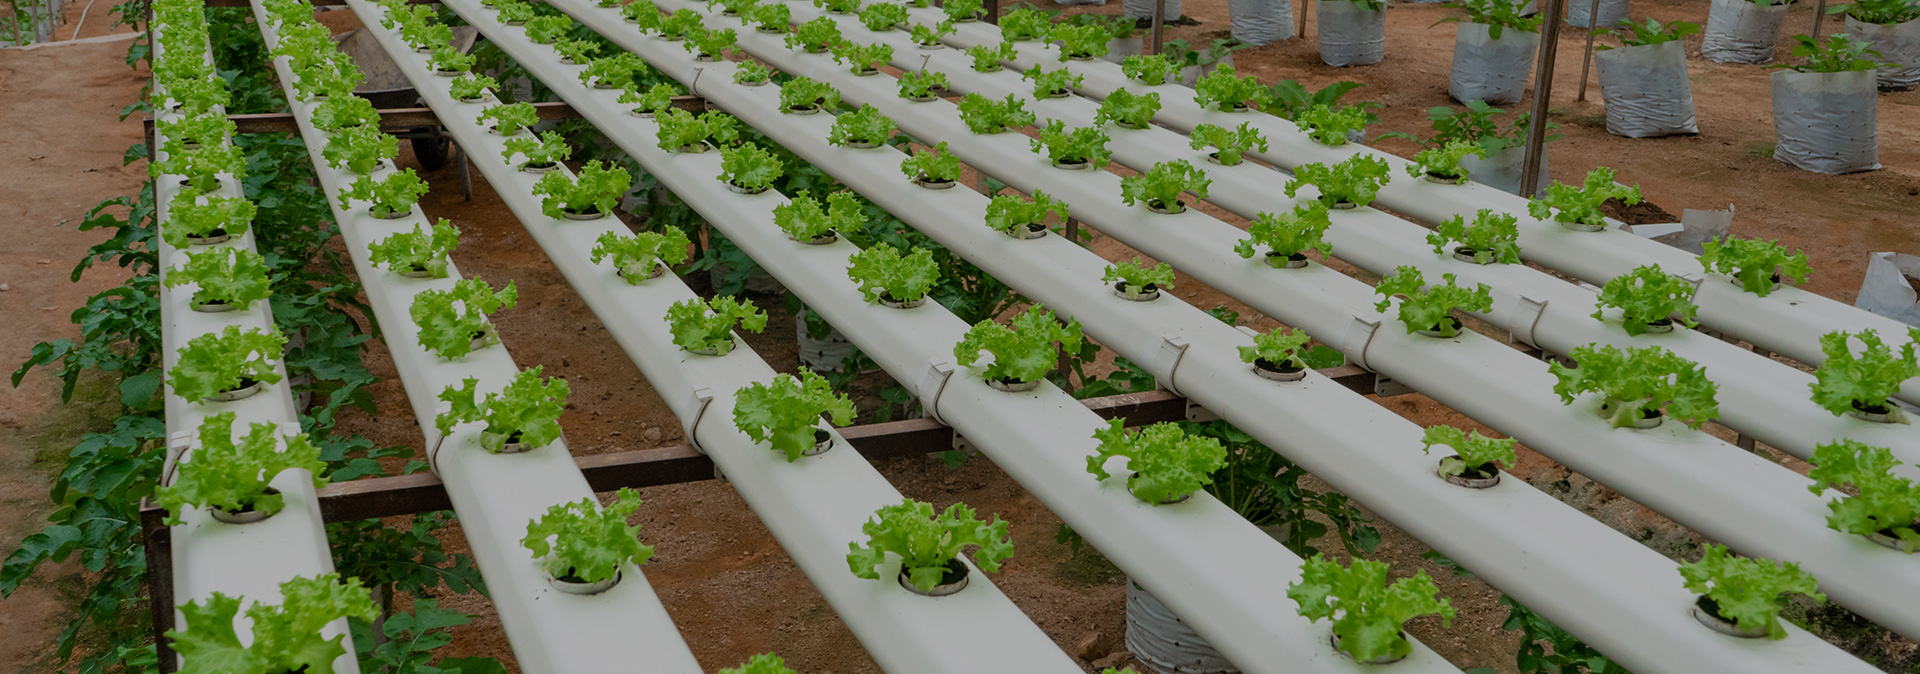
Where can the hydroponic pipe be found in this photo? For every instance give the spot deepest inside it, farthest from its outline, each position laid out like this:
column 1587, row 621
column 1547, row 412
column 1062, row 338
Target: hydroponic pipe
column 1721, row 490
column 495, row 496
column 815, row 506
column 1201, row 551
column 249, row 561
column 1788, row 321
column 1765, row 399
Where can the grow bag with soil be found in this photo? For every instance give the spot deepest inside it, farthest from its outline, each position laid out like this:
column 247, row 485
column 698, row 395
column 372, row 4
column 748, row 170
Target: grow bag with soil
column 1501, row 170
column 1826, row 122
column 1143, row 9
column 1899, row 47
column 1486, row 69
column 827, row 354
column 1739, row 31
column 1350, row 35
column 1581, row 13
column 1646, row 90
column 1258, row 22
column 1159, row 638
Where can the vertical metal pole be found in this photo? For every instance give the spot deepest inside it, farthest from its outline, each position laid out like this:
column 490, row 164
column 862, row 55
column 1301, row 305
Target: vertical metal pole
column 1159, row 26
column 1586, row 56
column 1819, row 15
column 1542, row 93
column 1300, row 27
column 159, row 552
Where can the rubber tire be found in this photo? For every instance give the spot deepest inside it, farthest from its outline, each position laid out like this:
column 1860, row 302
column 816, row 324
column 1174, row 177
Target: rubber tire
column 431, row 152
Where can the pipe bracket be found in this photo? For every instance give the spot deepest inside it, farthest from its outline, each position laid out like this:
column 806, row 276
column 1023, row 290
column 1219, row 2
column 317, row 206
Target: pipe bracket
column 702, row 398
column 1358, row 336
column 1166, row 359
column 932, row 384
column 1526, row 315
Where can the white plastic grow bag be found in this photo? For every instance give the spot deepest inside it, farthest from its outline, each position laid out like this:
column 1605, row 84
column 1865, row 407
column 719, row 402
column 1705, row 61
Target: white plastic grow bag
column 1739, row 31
column 826, row 354
column 1143, row 9
column 1258, row 22
column 1159, row 638
column 1611, row 12
column 1122, row 47
column 1899, row 47
column 1350, row 35
column 1826, row 122
column 1486, row 69
column 1886, row 290
column 1646, row 90
column 1501, row 170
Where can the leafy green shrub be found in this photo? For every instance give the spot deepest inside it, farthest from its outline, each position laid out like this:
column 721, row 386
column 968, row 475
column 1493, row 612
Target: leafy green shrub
column 1476, row 453
column 1168, row 465
column 1128, row 109
column 881, row 17
column 921, row 85
column 1647, row 297
column 200, row 168
column 886, row 275
column 1758, row 265
column 1348, row 184
column 547, row 29
column 1020, row 25
column 815, row 36
column 526, row 411
column 1651, row 33
column 360, row 149
column 1023, row 350
column 1161, row 186
column 749, row 168
column 1863, row 382
column 786, row 412
column 1228, row 145
column 418, row 251
column 1150, row 69
column 710, row 45
column 1082, row 42
column 618, row 71
column 229, row 360
column 1289, row 235
column 928, row 36
column 391, row 197
column 863, row 59
column 583, row 543
column 1366, row 612
column 936, row 167
column 636, row 256
column 189, row 218
column 1330, row 125
column 1883, row 503
column 1052, row 83
column 543, row 152
column 1497, row 15
column 1081, row 145
column 234, row 476
column 1443, row 162
column 682, row 131
column 803, row 220
column 451, row 320
column 1746, row 591
column 509, row 118
column 1493, row 237
column 229, row 275
column 707, row 326
column 656, row 99
column 764, row 663
column 1016, row 214
column 286, row 636
column 592, row 193
column 771, row 17
column 471, row 87
column 751, row 73
column 926, row 544
column 1882, row 12
column 984, row 115
column 802, row 94
column 1581, row 205
column 864, row 127
column 1430, row 307
column 1229, row 92
column 1280, row 348
column 339, row 112
column 1135, row 278
column 1638, row 384
column 987, row 59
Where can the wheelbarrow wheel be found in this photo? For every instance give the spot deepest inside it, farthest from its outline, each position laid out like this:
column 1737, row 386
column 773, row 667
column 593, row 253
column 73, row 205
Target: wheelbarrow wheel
column 431, row 152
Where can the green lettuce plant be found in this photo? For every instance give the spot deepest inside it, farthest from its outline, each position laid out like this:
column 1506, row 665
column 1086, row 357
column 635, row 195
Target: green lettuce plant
column 710, row 45
column 233, row 476
column 984, row 115
column 577, row 52
column 1863, row 382
column 1289, row 235
column 885, row 275
column 864, row 127
column 230, row 276
column 201, row 129
column 1150, row 69
column 451, row 320
column 786, row 413
column 417, row 252
column 1331, row 126
column 733, row 7
column 1348, row 184
column 1052, row 83
column 1023, row 351
column 636, row 256
column 1647, row 296
column 584, row 543
column 1580, row 206
column 803, row 219
column 286, row 636
column 1229, row 92
column 618, row 71
column 839, row 6
column 929, row 36
column 749, row 168
column 229, row 360
column 925, row 544
column 1758, row 265
column 190, row 218
column 964, row 10
column 1493, row 237
column 863, row 59
column 1017, row 215
column 195, row 95
column 526, row 411
column 592, row 193
column 1367, row 613
column 656, row 99
column 513, row 12
column 1128, row 109
column 751, row 73
column 816, row 36
column 682, row 131
column 1161, row 186
column 547, row 29
column 936, row 167
column 987, row 58
column 472, row 87
column 680, row 24
column 1082, row 42
column 644, row 14
column 391, row 197
column 331, row 76
column 1747, row 592
column 1064, row 147
column 1168, row 465
column 1881, row 503
column 1430, row 307
column 1025, row 24
column 1638, row 383
column 1279, row 349
column 803, row 94
column 764, row 663
column 543, row 152
column 1443, row 162
column 448, row 59
column 1136, row 278
column 1475, row 453
column 1228, row 145
column 706, row 326
column 509, row 118
column 200, row 168
column 360, row 149
column 881, row 17
column 923, row 85
column 770, row 17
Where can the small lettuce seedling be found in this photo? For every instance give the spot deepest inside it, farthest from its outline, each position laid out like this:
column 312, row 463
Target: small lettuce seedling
column 764, row 663
column 200, row 168
column 234, row 476
column 1161, row 186
column 229, row 360
column 1082, row 42
column 189, row 218
column 637, row 256
column 339, row 112
column 786, row 413
column 1023, row 350
column 1025, row 24
column 682, row 131
column 1474, row 453
column 710, row 45
column 1580, row 206
column 618, row 71
column 864, row 127
column 1885, row 505
column 509, row 118
column 1018, row 215
column 815, row 36
column 863, row 59
column 1493, row 237
column 471, row 87
column 984, row 115
column 1086, row 145
column 1128, row 109
column 987, row 59
column 1443, row 163
column 525, row 412
column 934, row 168
column 592, row 193
column 1637, row 384
column 389, row 197
column 802, row 94
column 547, row 29
column 1348, row 184
column 1280, row 349
column 881, row 17
column 1168, row 465
column 706, row 327
column 1228, row 145
column 1862, row 383
column 230, row 276
column 749, row 169
column 644, row 14
column 1052, row 83
column 681, row 23
column 751, row 73
column 581, row 542
column 286, row 636
column 1366, row 612
column 887, row 276
column 1748, row 592
column 1230, row 92
column 929, row 36
column 803, row 220
column 1136, row 278
column 925, row 544
column 417, row 252
column 923, row 85
column 1149, row 69
column 1648, row 297
column 448, row 59
column 1758, row 265
column 577, row 52
column 1429, row 308
column 656, row 99
column 1331, row 126
column 450, row 321
column 770, row 17
column 543, row 152
column 360, row 149
column 964, row 10
column 1288, row 236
